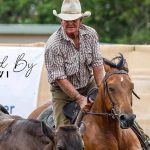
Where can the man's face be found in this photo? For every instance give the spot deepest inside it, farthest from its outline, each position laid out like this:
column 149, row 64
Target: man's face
column 71, row 27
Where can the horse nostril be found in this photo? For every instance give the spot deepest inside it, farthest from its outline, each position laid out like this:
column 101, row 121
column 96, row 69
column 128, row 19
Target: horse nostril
column 132, row 117
column 123, row 117
column 127, row 119
column 59, row 147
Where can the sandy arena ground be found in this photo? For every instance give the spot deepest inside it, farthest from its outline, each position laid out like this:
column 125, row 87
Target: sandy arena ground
column 142, row 111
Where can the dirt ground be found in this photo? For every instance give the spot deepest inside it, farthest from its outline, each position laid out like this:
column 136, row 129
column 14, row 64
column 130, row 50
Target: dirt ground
column 142, row 107
column 142, row 110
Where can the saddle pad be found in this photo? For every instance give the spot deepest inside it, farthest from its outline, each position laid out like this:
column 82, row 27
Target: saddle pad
column 47, row 117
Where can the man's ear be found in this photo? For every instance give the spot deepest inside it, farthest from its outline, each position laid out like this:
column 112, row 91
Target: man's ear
column 60, row 21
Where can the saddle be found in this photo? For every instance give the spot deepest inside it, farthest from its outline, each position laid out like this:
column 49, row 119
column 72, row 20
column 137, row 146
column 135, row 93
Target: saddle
column 47, row 117
column 71, row 110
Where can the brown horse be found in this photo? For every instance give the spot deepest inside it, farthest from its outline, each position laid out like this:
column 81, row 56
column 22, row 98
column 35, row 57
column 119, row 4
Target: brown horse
column 107, row 123
column 35, row 114
column 17, row 133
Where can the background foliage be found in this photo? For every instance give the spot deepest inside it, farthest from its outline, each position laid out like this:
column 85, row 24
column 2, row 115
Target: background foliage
column 116, row 21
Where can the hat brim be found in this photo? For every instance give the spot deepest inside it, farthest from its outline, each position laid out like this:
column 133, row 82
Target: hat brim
column 70, row 17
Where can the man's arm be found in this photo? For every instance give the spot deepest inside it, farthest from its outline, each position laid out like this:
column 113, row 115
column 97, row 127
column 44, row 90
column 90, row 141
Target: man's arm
column 99, row 74
column 69, row 89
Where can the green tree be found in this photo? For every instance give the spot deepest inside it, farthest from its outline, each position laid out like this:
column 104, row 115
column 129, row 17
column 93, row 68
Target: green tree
column 116, row 21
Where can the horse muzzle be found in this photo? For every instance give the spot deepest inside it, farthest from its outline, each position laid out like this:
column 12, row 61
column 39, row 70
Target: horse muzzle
column 126, row 120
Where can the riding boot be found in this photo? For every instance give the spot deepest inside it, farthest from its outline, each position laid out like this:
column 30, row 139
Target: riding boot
column 142, row 133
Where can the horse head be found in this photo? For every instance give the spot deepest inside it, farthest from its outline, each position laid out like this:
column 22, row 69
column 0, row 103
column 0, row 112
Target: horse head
column 65, row 137
column 117, row 91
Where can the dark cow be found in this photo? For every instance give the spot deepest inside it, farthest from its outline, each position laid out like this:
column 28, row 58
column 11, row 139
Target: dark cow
column 17, row 133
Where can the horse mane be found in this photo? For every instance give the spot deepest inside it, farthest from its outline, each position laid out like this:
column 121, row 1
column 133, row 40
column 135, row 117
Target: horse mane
column 120, row 65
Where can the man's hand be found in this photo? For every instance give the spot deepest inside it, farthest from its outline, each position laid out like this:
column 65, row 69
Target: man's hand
column 84, row 105
column 81, row 100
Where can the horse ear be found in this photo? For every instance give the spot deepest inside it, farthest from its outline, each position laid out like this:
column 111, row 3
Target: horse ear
column 107, row 67
column 3, row 109
column 125, row 67
column 47, row 131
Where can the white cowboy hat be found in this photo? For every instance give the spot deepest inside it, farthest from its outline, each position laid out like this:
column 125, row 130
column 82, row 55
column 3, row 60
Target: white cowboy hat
column 71, row 10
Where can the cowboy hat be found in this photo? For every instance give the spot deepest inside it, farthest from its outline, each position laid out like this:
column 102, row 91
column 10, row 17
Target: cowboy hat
column 71, row 10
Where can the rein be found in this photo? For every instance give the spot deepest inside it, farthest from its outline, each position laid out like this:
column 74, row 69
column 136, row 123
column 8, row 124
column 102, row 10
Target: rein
column 144, row 144
column 100, row 114
column 113, row 113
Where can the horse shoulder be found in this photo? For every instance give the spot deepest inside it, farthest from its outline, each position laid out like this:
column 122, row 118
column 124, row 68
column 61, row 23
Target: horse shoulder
column 131, row 140
column 99, row 139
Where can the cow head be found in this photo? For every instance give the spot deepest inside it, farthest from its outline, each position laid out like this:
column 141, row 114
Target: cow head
column 67, row 137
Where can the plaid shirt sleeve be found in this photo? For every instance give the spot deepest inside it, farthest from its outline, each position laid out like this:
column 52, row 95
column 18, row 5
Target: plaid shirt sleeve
column 55, row 65
column 97, row 59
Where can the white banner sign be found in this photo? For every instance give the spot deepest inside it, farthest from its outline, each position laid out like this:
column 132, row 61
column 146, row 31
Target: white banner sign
column 20, row 71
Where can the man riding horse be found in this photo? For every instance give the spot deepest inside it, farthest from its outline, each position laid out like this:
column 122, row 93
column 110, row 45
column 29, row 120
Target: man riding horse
column 73, row 60
column 71, row 56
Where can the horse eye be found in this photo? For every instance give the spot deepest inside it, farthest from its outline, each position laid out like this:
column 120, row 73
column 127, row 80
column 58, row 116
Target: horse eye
column 111, row 89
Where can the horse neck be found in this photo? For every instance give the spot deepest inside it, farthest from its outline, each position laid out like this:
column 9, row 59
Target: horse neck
column 107, row 123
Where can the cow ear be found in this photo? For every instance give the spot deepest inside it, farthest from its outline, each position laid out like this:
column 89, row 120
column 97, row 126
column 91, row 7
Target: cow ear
column 47, row 131
column 82, row 129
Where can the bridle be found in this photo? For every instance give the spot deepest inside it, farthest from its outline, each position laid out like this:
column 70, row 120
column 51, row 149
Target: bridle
column 113, row 113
